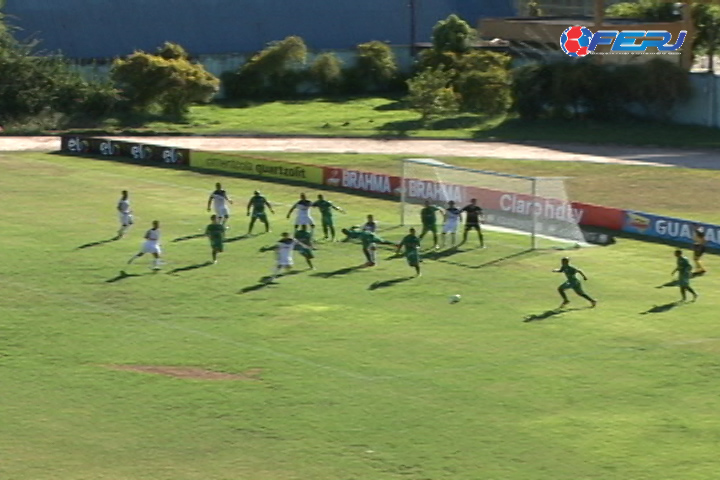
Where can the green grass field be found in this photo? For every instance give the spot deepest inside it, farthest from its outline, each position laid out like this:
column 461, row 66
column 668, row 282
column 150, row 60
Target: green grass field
column 388, row 117
column 361, row 374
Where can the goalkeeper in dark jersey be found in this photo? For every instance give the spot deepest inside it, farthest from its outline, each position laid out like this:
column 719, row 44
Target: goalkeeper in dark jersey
column 258, row 203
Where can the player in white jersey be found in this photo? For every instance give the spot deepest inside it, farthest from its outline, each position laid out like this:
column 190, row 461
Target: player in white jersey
column 220, row 201
column 452, row 222
column 151, row 245
column 303, row 207
column 124, row 214
column 370, row 225
column 284, row 251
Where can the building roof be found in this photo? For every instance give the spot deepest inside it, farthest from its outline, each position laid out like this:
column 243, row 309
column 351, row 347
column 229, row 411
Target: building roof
column 109, row 28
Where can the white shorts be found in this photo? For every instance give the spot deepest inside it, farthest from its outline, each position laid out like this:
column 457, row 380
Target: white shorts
column 304, row 219
column 285, row 260
column 151, row 247
column 222, row 211
column 126, row 219
column 450, row 227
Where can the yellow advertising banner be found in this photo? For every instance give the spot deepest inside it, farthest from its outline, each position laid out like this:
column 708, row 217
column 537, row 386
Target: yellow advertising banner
column 257, row 167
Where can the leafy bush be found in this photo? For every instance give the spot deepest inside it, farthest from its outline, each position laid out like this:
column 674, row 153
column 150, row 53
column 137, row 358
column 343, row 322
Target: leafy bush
column 485, row 92
column 376, row 67
column 430, row 94
column 585, row 89
column 452, row 35
column 276, row 71
column 31, row 85
column 166, row 79
column 326, row 73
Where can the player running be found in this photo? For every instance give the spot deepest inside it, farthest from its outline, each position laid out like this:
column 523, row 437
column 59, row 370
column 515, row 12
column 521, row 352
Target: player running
column 684, row 269
column 304, row 245
column 303, row 212
column 258, row 203
column 572, row 282
column 452, row 221
column 429, row 221
column 220, row 200
column 473, row 218
column 151, row 245
column 411, row 242
column 216, row 234
column 326, row 216
column 284, row 250
column 368, row 240
column 699, row 242
column 124, row 214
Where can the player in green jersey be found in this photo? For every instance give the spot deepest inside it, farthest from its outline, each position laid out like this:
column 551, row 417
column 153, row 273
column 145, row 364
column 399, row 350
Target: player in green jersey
column 304, row 245
column 258, row 203
column 326, row 211
column 572, row 282
column 216, row 234
column 411, row 243
column 368, row 241
column 429, row 221
column 684, row 270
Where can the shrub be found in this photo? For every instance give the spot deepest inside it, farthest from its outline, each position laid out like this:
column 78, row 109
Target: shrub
column 167, row 79
column 430, row 94
column 376, row 68
column 326, row 73
column 273, row 72
column 485, row 92
column 452, row 35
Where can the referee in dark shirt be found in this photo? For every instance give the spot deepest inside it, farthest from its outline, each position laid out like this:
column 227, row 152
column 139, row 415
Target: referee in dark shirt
column 473, row 218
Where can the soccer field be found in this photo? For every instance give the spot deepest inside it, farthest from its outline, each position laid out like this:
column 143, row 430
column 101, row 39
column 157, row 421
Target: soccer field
column 201, row 372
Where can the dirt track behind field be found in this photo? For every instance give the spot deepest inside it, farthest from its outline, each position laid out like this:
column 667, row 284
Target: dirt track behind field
column 650, row 156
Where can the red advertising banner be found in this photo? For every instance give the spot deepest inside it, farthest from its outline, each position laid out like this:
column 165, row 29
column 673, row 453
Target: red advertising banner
column 492, row 200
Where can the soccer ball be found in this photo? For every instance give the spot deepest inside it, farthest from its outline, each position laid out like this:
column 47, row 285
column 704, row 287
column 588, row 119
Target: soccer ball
column 455, row 299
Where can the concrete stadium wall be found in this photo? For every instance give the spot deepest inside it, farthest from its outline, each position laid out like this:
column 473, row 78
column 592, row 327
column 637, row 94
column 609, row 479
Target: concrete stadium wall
column 703, row 108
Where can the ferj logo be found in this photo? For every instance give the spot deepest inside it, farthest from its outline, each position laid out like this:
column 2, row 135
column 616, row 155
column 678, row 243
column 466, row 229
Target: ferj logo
column 579, row 41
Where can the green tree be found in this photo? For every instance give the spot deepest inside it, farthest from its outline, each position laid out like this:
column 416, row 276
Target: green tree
column 376, row 66
column 452, row 35
column 272, row 72
column 166, row 79
column 706, row 18
column 327, row 73
column 430, row 94
column 707, row 23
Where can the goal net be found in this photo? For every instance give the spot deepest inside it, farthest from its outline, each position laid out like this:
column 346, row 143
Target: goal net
column 526, row 212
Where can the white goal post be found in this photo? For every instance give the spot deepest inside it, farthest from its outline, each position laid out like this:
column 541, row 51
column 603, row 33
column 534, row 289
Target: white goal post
column 537, row 207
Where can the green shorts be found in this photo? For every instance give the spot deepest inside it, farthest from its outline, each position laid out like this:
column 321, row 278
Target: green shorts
column 413, row 259
column 575, row 286
column 305, row 252
column 429, row 228
column 216, row 244
column 326, row 221
column 262, row 216
column 684, row 280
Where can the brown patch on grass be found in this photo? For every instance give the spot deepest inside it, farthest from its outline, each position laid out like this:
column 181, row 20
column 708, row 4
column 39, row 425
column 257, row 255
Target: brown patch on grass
column 192, row 373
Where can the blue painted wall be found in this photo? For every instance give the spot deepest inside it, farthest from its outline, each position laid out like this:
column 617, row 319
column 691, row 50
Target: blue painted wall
column 109, row 28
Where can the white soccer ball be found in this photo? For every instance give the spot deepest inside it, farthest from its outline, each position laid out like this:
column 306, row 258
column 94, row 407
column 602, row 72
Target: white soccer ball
column 455, row 299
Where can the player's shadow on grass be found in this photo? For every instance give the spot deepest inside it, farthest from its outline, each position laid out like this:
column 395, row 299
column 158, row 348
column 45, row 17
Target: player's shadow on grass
column 188, row 237
column 536, row 317
column 240, row 237
column 189, row 267
column 662, row 308
column 335, row 273
column 258, row 286
column 438, row 254
column 122, row 276
column 388, row 283
column 675, row 283
column 98, row 243
column 482, row 265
